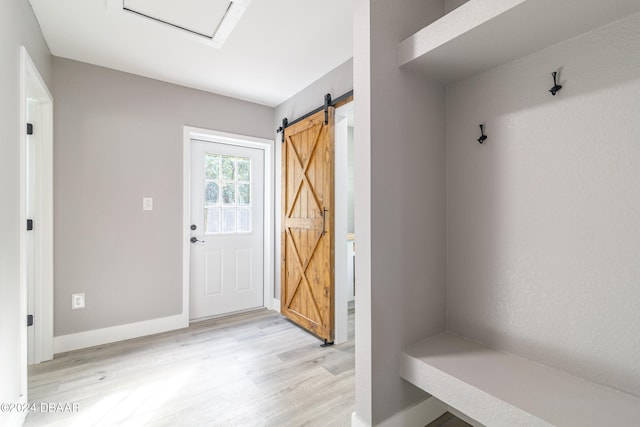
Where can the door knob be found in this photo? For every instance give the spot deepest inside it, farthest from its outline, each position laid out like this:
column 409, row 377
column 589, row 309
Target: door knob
column 195, row 240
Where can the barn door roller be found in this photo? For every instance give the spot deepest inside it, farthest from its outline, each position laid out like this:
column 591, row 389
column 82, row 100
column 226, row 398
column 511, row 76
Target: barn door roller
column 327, row 104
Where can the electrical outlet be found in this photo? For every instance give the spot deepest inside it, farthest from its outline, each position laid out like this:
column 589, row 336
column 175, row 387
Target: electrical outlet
column 77, row 301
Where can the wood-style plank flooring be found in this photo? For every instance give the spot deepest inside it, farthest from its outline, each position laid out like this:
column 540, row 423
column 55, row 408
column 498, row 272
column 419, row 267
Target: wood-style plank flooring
column 251, row 369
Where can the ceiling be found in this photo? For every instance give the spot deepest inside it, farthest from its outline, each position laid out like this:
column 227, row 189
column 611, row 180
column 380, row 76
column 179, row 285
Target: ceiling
column 276, row 49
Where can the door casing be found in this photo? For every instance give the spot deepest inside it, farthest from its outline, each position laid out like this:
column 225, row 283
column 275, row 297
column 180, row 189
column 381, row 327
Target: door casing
column 33, row 87
column 201, row 134
column 340, row 207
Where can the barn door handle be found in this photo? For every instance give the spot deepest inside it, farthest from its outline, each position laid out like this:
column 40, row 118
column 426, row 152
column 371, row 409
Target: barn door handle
column 324, row 221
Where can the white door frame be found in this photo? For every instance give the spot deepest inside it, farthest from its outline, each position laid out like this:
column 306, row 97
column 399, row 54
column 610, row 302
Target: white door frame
column 269, row 225
column 341, row 316
column 32, row 86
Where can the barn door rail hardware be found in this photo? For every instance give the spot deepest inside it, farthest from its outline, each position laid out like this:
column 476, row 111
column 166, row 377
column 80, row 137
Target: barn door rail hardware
column 326, row 343
column 285, row 123
column 556, row 87
column 328, row 102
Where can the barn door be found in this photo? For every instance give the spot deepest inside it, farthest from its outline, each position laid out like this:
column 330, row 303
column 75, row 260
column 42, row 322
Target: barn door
column 307, row 288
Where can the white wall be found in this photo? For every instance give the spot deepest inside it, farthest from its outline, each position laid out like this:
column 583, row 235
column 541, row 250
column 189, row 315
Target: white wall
column 544, row 217
column 399, row 204
column 336, row 82
column 351, row 180
column 18, row 26
column 119, row 137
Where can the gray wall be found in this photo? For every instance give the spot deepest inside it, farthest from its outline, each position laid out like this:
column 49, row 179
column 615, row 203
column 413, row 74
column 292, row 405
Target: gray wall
column 450, row 5
column 544, row 217
column 118, row 137
column 400, row 203
column 18, row 26
column 336, row 82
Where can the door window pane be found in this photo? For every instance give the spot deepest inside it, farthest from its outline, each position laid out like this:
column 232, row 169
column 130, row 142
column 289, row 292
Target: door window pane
column 228, row 220
column 244, row 194
column 212, row 165
column 228, row 195
column 228, row 185
column 244, row 169
column 212, row 220
column 244, row 220
column 211, row 194
column 228, row 168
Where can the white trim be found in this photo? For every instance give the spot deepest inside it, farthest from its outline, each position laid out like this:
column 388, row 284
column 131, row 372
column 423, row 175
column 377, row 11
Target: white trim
column 340, row 208
column 236, row 10
column 32, row 86
column 16, row 419
column 356, row 421
column 266, row 145
column 186, row 219
column 276, row 305
column 229, row 22
column 111, row 334
column 22, row 120
column 418, row 415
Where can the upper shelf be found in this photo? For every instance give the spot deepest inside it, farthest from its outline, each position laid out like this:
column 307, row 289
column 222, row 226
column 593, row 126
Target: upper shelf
column 482, row 34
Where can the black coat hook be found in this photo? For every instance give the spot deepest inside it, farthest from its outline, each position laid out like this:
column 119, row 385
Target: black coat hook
column 556, row 87
column 483, row 137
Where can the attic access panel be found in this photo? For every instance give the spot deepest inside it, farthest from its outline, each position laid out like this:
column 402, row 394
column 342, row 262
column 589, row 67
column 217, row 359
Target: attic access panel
column 201, row 17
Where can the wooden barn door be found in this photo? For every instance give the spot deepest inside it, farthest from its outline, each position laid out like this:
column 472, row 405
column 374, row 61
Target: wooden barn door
column 307, row 287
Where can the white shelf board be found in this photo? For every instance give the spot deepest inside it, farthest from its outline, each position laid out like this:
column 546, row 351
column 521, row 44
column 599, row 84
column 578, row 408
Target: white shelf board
column 482, row 34
column 499, row 389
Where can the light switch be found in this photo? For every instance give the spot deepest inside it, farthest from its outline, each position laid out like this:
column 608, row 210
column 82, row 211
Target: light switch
column 147, row 203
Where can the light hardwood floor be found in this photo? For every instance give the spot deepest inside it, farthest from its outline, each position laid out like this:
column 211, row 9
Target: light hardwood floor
column 251, row 369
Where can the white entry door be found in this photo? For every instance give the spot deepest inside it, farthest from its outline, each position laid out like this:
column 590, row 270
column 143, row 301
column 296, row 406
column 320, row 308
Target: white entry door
column 227, row 229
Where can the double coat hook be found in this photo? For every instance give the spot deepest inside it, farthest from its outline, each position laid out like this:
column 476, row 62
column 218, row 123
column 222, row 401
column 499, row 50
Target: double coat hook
column 554, row 90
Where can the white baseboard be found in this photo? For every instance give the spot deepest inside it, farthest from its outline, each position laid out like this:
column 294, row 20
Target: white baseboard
column 118, row 333
column 356, row 421
column 276, row 304
column 418, row 415
column 13, row 418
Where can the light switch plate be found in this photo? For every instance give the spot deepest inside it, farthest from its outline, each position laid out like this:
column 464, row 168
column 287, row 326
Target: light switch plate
column 147, row 203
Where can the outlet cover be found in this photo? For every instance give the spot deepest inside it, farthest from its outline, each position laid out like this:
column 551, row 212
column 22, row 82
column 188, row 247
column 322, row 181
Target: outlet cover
column 77, row 301
column 147, row 203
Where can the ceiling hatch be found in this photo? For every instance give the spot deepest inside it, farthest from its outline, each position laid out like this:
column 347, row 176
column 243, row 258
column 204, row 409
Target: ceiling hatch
column 213, row 19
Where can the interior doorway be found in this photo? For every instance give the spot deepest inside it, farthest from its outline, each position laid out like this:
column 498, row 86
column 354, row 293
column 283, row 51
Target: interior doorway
column 36, row 214
column 344, row 220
